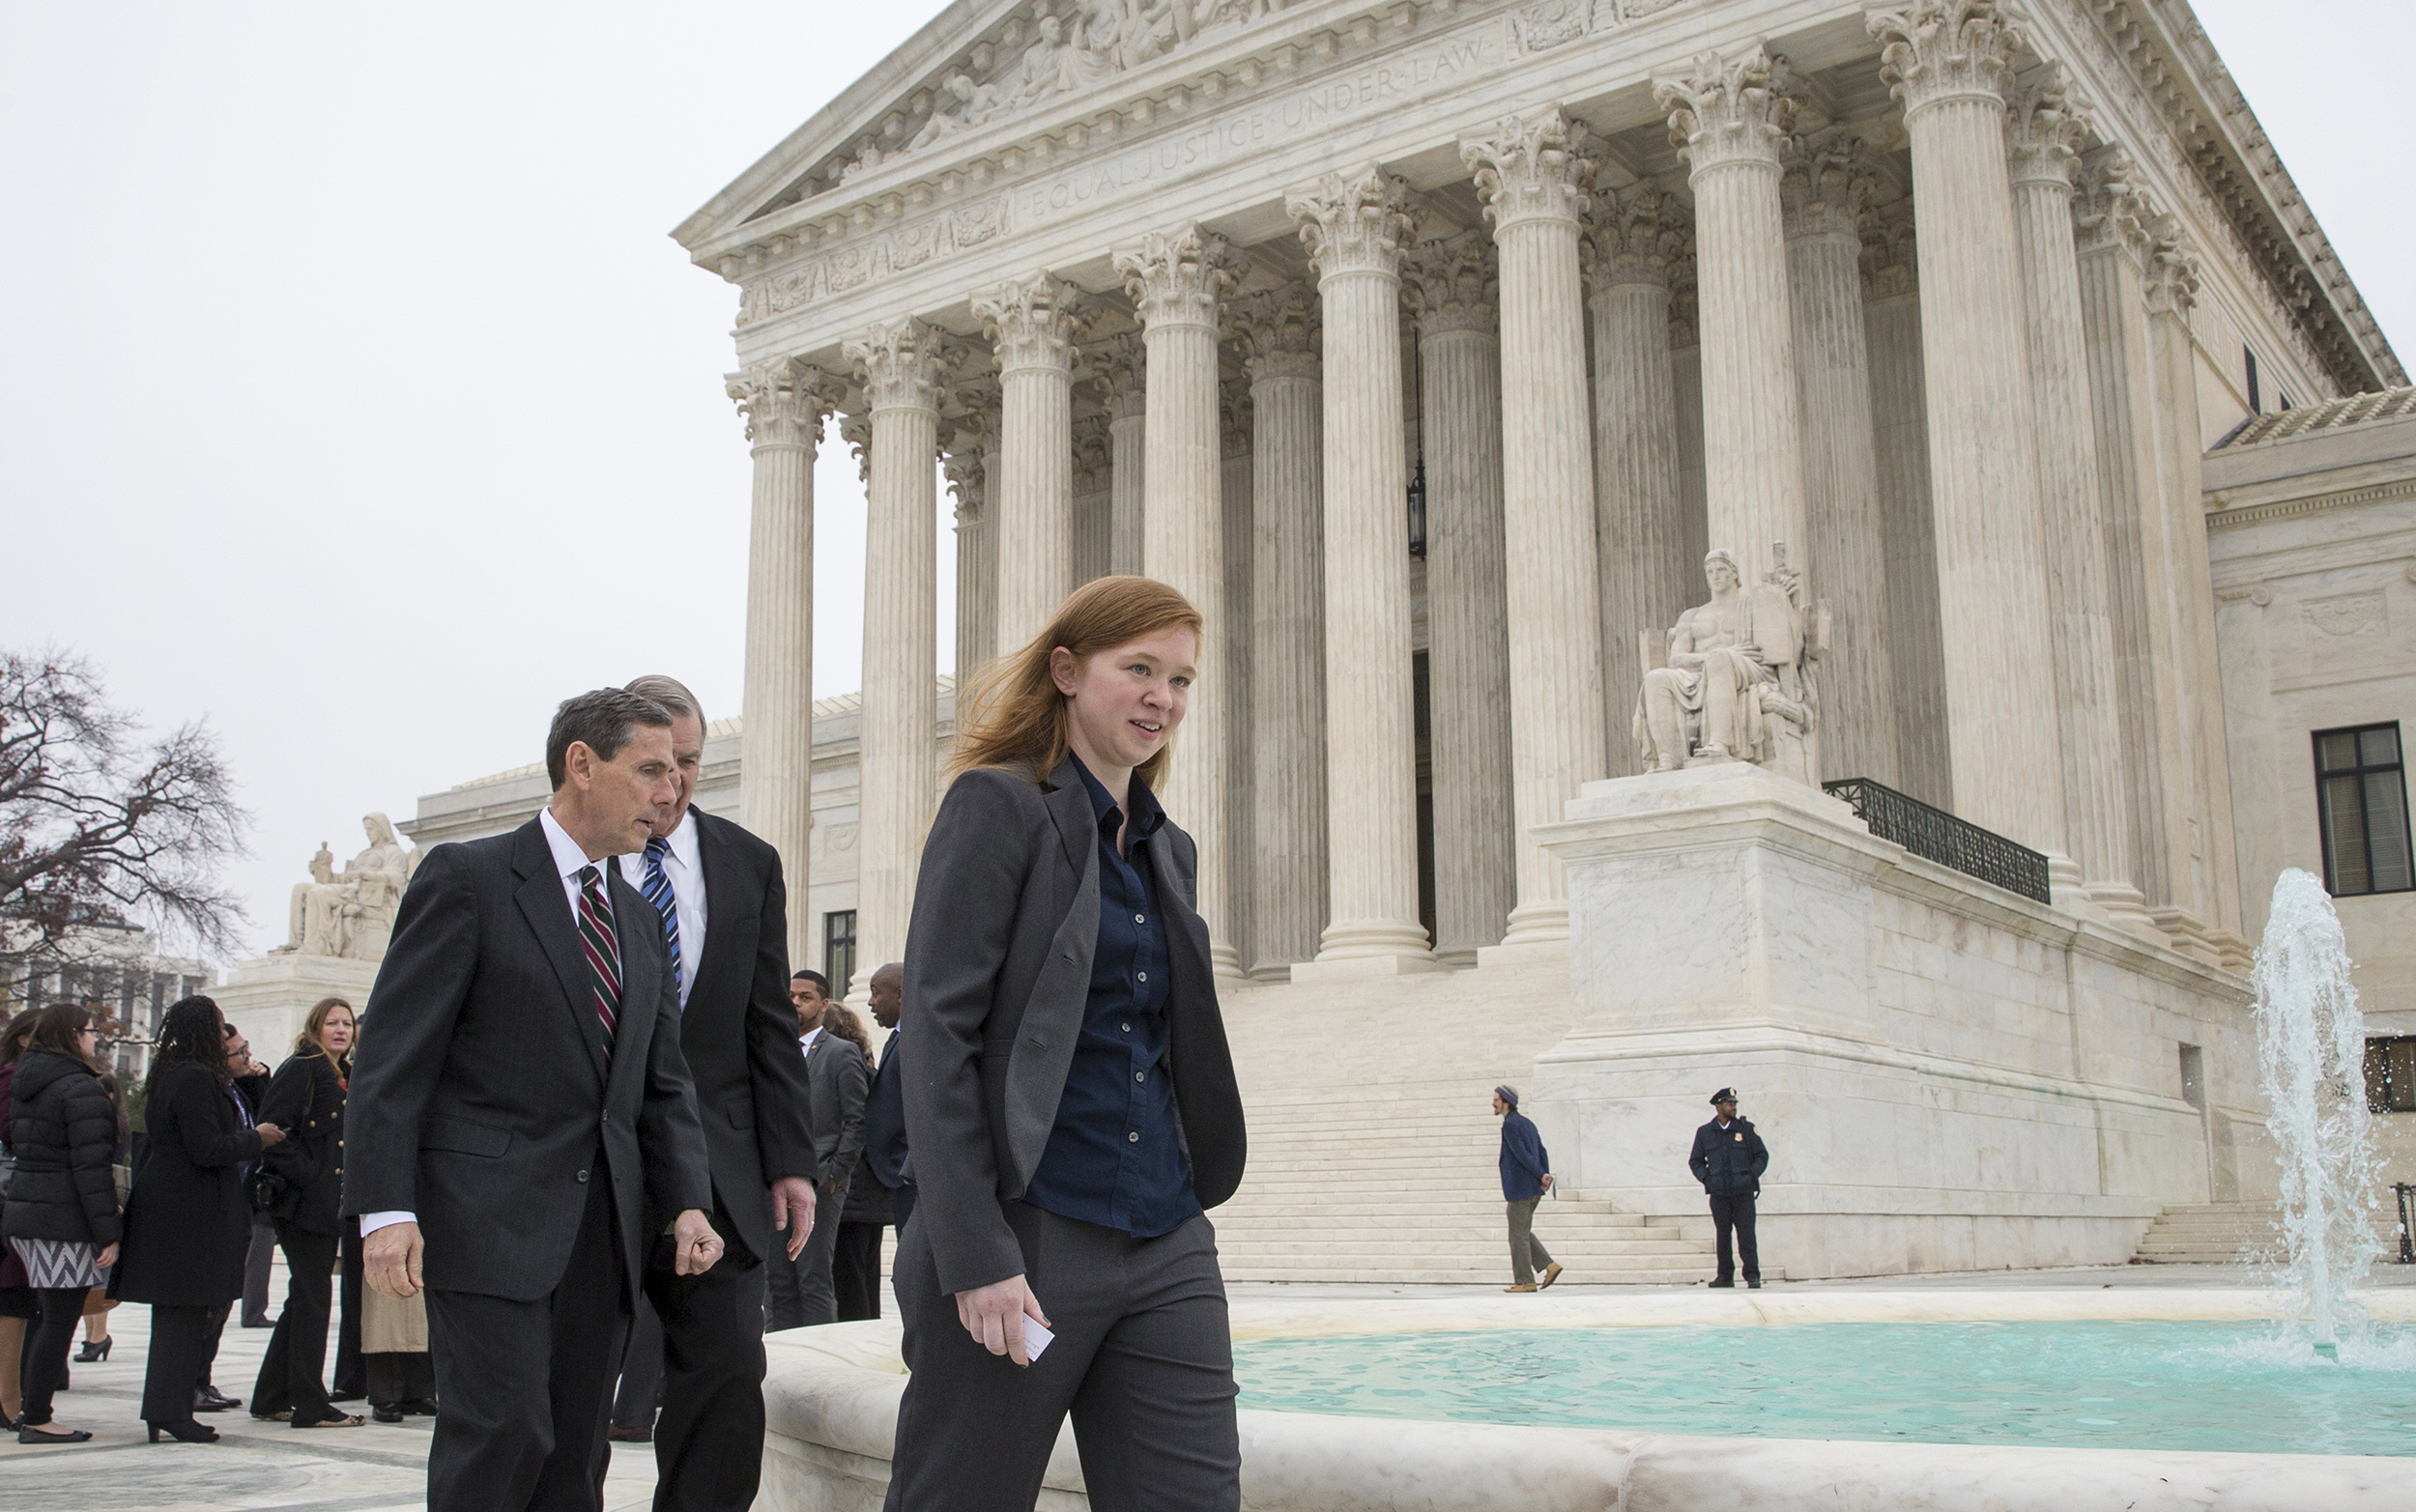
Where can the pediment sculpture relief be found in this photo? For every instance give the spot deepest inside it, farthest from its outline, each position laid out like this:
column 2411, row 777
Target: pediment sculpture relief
column 350, row 913
column 1732, row 680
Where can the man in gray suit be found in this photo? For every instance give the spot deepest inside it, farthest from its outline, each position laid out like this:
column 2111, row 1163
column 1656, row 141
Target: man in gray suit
column 803, row 1291
column 522, row 1103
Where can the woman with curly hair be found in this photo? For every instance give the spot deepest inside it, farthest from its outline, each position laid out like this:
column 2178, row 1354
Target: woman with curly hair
column 62, row 1217
column 189, row 1219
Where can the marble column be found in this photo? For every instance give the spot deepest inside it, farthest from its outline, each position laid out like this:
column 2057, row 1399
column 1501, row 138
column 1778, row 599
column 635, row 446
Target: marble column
column 971, row 465
column 1353, row 224
column 1947, row 60
column 1892, row 322
column 1279, row 336
column 1642, row 549
column 1033, row 322
column 1094, row 447
column 1729, row 122
column 1175, row 279
column 1532, row 177
column 1238, row 537
column 1450, row 292
column 784, row 403
column 2115, row 243
column 902, row 365
column 1123, row 386
column 1826, row 179
column 2042, row 133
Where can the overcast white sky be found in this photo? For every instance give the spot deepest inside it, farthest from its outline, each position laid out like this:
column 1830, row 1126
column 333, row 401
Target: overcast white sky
column 322, row 326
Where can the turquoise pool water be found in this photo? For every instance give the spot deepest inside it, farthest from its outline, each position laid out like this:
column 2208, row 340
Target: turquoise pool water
column 2127, row 1385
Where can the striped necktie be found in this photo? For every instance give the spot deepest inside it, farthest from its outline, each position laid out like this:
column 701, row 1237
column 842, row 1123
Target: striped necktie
column 603, row 947
column 658, row 892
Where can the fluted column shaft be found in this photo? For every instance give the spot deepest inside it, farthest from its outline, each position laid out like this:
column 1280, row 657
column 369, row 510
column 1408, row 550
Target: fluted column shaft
column 902, row 363
column 1452, row 292
column 1641, row 545
column 1532, row 179
column 1826, row 182
column 2041, row 134
column 784, row 404
column 1729, row 124
column 1353, row 225
column 1033, row 322
column 1176, row 280
column 1122, row 366
column 1946, row 61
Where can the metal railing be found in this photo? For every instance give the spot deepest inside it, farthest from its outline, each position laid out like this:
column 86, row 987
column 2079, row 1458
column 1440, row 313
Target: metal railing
column 1938, row 835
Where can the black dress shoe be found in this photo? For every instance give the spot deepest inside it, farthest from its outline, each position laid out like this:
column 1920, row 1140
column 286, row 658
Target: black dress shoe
column 420, row 1406
column 208, row 1400
column 386, row 1414
column 1753, row 1286
column 1731, row 1285
column 348, row 1396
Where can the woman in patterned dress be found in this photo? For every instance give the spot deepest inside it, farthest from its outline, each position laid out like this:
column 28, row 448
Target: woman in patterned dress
column 62, row 1216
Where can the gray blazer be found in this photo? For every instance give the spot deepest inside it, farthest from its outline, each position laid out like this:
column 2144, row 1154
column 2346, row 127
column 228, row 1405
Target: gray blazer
column 997, row 975
column 837, row 1076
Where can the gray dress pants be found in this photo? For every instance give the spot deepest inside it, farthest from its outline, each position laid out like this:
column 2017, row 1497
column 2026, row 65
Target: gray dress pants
column 1527, row 1252
column 803, row 1292
column 1143, row 1360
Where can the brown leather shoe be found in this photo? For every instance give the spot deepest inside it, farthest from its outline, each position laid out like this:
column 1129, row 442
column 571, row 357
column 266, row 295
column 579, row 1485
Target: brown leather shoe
column 1551, row 1273
column 1523, row 1286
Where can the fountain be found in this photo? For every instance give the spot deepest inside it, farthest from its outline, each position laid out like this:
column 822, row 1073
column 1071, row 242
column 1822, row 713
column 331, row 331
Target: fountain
column 2311, row 1047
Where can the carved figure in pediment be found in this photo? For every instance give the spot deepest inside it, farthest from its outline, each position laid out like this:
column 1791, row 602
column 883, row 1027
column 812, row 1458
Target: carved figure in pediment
column 350, row 913
column 968, row 106
column 1732, row 680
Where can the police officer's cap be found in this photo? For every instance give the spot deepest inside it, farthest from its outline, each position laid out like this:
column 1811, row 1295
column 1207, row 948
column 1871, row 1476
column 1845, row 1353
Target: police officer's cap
column 1724, row 1095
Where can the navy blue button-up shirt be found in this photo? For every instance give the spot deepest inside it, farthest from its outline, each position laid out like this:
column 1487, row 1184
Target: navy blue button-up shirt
column 1115, row 1155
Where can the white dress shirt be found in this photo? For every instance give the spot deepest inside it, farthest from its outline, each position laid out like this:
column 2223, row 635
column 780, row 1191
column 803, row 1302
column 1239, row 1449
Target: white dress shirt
column 805, row 1041
column 568, row 860
column 684, row 865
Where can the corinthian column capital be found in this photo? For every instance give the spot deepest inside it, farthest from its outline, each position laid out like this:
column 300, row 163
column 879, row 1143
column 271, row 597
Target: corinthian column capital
column 1936, row 50
column 2044, row 130
column 1530, row 168
column 902, row 363
column 1452, row 284
column 1728, row 110
column 2172, row 274
column 783, row 401
column 1892, row 266
column 1279, row 332
column 855, row 429
column 2108, row 210
column 1353, row 222
column 1826, row 179
column 1637, row 236
column 1119, row 370
column 1175, row 277
column 1033, row 320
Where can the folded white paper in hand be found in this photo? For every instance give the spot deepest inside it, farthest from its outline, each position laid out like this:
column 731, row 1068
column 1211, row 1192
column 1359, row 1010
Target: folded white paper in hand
column 1036, row 1337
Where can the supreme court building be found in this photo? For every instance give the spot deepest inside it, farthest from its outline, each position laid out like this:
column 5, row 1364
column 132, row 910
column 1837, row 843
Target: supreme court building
column 1430, row 346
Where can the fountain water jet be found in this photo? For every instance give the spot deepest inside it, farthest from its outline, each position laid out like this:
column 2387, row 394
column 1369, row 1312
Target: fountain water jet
column 2310, row 1051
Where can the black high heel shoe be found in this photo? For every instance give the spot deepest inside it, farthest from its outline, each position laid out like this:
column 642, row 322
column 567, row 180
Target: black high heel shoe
column 89, row 1351
column 188, row 1432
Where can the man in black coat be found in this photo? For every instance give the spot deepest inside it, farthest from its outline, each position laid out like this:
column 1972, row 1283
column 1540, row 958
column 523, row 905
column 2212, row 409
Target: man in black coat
column 718, row 892
column 1728, row 1159
column 525, row 1106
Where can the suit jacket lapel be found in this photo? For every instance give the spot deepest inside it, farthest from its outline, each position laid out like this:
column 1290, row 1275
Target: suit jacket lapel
column 642, row 946
column 548, row 912
column 722, row 881
column 1069, row 805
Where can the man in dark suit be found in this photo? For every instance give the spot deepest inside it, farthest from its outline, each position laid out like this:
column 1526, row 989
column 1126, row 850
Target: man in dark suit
column 722, row 905
column 803, row 1291
column 874, row 1202
column 523, row 1115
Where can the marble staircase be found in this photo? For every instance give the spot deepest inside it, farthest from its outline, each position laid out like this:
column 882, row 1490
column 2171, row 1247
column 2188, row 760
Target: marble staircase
column 2212, row 1233
column 1372, row 1149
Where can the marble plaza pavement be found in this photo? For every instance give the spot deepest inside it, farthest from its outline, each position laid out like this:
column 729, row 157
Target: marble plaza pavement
column 379, row 1468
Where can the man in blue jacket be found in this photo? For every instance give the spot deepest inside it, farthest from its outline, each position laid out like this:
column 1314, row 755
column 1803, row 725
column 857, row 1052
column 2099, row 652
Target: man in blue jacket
column 1525, row 1179
column 1728, row 1159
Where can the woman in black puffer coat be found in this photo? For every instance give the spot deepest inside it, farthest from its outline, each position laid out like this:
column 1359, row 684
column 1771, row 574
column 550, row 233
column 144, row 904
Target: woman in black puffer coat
column 62, row 1214
column 307, row 1097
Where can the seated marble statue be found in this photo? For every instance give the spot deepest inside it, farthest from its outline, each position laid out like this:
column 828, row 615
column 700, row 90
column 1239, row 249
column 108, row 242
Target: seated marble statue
column 350, row 913
column 1734, row 683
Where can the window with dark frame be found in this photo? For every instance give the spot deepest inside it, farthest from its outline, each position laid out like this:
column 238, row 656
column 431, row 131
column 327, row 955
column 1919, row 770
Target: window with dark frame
column 839, row 950
column 2391, row 1074
column 2256, row 406
column 2360, row 805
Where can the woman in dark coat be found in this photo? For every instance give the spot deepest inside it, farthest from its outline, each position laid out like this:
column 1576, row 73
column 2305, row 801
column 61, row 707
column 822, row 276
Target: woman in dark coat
column 308, row 1097
column 62, row 1217
column 189, row 1219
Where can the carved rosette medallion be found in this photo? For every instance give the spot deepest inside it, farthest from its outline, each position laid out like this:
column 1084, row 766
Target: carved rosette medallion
column 1826, row 179
column 1938, row 50
column 1452, row 284
column 1176, row 277
column 2044, row 130
column 902, row 365
column 1353, row 222
column 1033, row 320
column 1728, row 110
column 1530, row 168
column 782, row 402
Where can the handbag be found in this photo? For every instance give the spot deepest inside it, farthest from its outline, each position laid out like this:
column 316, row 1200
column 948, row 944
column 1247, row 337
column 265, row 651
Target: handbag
column 272, row 1194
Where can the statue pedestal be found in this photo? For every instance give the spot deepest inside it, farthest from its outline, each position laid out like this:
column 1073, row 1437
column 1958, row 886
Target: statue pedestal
column 267, row 997
column 1949, row 1077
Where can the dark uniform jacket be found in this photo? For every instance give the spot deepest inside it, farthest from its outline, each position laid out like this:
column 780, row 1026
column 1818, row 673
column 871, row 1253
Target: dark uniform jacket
column 64, row 1129
column 306, row 1100
column 871, row 1195
column 1729, row 1161
column 189, row 1219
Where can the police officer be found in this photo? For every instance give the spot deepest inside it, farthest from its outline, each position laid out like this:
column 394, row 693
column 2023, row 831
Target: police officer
column 1728, row 1159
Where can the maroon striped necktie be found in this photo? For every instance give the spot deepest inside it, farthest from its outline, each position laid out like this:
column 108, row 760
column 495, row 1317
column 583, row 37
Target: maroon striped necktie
column 603, row 950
